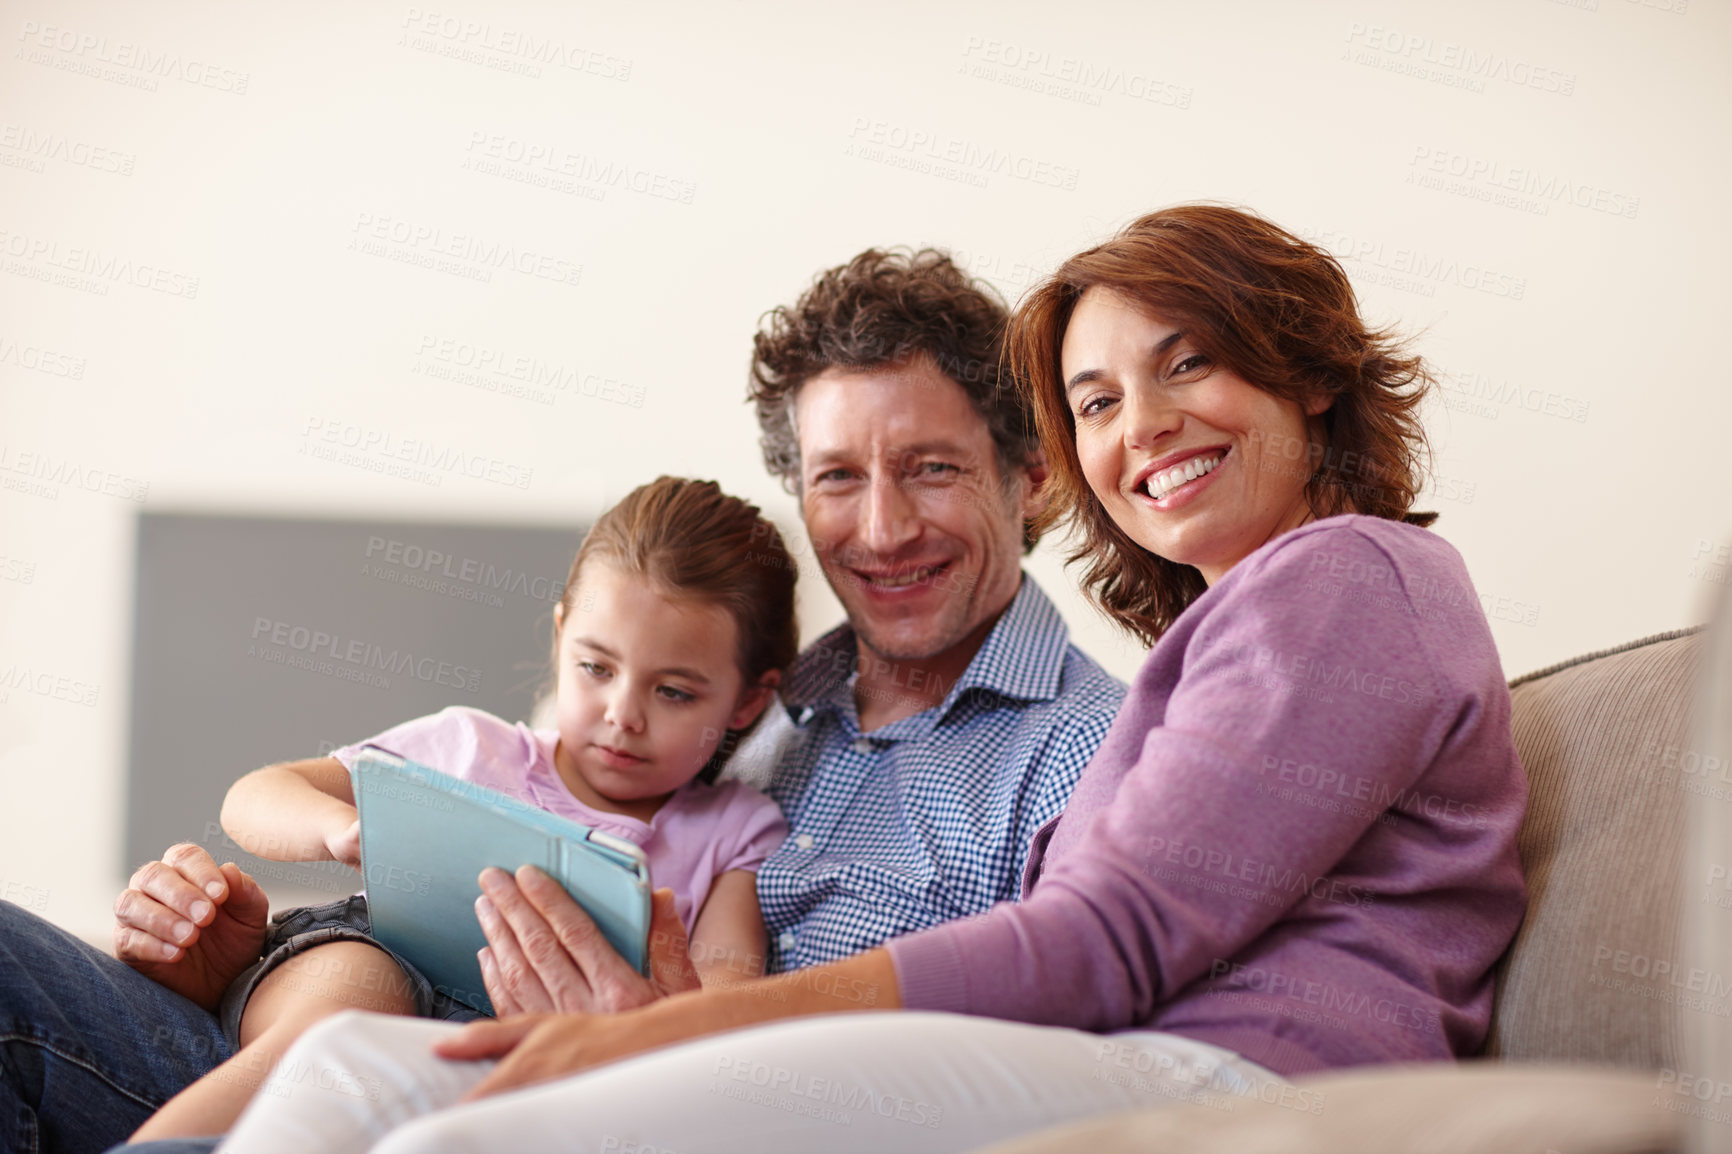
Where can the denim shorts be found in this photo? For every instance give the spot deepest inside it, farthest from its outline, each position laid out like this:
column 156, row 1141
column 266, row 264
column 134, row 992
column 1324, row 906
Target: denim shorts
column 297, row 930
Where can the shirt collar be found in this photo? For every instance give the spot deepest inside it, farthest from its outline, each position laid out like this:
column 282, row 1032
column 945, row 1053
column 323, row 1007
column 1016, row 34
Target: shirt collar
column 1022, row 658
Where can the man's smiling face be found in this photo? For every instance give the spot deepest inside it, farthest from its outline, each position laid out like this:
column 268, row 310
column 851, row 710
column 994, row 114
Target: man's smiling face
column 917, row 529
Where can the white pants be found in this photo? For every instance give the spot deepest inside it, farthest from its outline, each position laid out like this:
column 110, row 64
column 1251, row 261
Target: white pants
column 852, row 1082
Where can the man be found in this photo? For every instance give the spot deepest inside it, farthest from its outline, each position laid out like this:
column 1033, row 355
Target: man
column 936, row 731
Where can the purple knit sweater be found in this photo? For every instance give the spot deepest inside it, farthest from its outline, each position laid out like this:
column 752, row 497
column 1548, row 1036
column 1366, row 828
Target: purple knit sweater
column 1298, row 840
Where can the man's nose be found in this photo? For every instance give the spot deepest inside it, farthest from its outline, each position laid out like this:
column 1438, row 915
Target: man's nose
column 890, row 519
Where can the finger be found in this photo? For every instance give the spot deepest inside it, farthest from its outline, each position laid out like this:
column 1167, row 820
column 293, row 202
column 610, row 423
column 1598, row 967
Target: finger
column 514, row 971
column 132, row 945
column 247, row 902
column 576, row 930
column 511, row 1073
column 504, row 1004
column 670, row 951
column 480, row 1040
column 561, row 970
column 199, row 868
column 166, row 885
column 140, row 913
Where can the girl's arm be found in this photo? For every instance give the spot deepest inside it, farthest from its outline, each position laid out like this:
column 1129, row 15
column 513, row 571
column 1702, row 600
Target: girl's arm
column 295, row 811
column 728, row 939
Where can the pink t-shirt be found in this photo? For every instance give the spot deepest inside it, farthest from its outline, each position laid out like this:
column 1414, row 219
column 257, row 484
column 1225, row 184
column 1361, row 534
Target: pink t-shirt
column 700, row 833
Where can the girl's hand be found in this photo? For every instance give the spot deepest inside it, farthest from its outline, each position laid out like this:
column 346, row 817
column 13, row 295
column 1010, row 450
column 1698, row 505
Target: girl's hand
column 345, row 844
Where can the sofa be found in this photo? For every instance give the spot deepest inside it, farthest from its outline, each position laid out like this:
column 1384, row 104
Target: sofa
column 1610, row 1031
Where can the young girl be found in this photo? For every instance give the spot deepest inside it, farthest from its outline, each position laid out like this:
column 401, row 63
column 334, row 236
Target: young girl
column 675, row 626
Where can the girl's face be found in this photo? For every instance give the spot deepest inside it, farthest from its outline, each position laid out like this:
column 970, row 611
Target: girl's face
column 1194, row 463
column 647, row 685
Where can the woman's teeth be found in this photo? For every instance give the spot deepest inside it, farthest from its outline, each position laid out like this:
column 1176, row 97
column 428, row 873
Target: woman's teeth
column 1160, row 484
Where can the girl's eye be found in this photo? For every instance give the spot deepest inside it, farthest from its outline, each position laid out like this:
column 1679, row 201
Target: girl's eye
column 592, row 668
column 676, row 695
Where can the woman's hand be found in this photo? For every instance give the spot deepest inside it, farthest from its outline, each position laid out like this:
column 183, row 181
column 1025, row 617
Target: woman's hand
column 540, row 1047
column 545, row 954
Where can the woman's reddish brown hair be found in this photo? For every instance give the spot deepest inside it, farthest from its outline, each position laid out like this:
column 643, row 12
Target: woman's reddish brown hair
column 1273, row 309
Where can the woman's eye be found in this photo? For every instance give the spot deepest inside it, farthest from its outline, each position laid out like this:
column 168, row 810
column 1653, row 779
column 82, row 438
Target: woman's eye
column 1190, row 364
column 678, row 695
column 1093, row 405
column 592, row 668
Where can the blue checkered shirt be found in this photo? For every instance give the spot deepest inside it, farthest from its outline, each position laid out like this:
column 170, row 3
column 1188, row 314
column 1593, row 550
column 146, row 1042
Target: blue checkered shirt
column 929, row 818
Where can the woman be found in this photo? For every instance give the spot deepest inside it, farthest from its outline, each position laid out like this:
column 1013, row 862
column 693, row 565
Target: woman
column 1295, row 850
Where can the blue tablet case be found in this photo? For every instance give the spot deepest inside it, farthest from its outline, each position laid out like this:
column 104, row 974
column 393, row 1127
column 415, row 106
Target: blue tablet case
column 426, row 837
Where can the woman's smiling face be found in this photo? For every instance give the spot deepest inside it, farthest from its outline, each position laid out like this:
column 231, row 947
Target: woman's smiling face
column 1194, row 463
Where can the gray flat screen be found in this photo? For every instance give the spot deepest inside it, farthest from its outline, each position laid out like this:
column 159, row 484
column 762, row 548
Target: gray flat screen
column 258, row 640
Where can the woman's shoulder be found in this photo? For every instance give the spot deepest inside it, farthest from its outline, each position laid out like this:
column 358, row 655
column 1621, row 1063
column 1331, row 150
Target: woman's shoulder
column 1360, row 550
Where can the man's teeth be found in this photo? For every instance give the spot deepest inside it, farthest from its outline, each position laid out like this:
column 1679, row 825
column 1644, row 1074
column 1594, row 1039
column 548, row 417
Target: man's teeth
column 1161, row 484
column 905, row 579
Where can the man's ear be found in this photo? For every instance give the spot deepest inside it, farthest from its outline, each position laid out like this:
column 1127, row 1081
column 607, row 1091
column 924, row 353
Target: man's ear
column 1035, row 500
column 755, row 700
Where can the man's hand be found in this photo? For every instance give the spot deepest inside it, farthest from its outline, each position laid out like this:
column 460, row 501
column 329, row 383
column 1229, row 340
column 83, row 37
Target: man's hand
column 190, row 925
column 545, row 954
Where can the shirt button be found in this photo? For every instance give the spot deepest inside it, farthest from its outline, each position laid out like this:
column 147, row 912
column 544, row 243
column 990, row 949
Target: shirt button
column 786, row 941
column 863, row 745
column 804, row 841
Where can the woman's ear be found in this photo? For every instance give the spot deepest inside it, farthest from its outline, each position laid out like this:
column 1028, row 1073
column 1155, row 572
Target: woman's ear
column 558, row 619
column 754, row 700
column 1319, row 403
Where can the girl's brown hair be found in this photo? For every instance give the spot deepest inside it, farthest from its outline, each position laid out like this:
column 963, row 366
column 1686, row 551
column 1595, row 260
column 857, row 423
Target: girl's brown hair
column 695, row 541
column 1276, row 311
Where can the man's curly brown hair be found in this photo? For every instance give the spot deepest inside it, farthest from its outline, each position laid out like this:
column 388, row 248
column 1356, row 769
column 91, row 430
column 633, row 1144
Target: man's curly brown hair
column 879, row 309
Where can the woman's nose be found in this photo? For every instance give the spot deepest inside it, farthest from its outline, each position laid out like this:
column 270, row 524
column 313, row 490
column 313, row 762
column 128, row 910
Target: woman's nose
column 1148, row 417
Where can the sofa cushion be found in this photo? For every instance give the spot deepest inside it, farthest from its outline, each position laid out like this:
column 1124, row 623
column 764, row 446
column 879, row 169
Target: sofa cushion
column 1473, row 1108
column 1594, row 974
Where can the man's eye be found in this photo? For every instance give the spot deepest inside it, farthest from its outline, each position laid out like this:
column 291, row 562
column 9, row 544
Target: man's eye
column 938, row 468
column 830, row 475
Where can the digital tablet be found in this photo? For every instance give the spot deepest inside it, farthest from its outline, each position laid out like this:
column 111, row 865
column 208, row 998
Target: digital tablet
column 426, row 837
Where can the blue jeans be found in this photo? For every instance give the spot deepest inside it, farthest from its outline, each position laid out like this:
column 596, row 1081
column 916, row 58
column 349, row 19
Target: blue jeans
column 89, row 1048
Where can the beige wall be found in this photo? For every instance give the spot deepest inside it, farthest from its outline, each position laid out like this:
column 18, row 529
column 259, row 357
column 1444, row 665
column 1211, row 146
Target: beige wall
column 222, row 225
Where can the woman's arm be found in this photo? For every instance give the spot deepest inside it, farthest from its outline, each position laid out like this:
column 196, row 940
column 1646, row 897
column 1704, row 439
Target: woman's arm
column 539, row 1047
column 728, row 939
column 295, row 811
